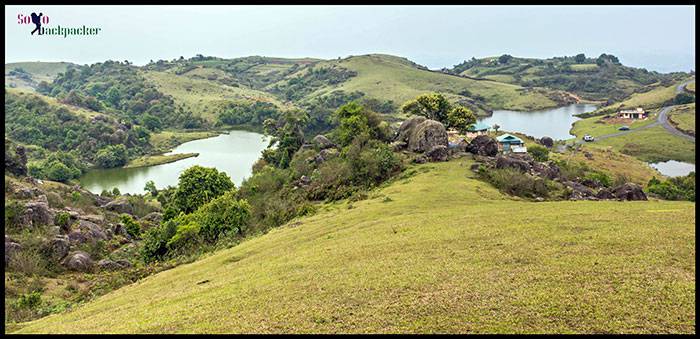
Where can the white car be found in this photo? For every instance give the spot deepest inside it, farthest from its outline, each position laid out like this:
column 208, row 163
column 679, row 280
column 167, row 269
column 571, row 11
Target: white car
column 588, row 138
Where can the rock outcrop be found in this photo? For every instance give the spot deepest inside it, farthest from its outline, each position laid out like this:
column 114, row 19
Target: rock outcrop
column 437, row 153
column 629, row 191
column 483, row 145
column 79, row 261
column 322, row 142
column 427, row 135
column 120, row 206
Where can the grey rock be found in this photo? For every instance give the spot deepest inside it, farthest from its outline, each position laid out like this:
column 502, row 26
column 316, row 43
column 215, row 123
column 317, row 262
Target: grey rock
column 629, row 191
column 92, row 231
column 483, row 145
column 322, row 142
column 427, row 135
column 437, row 153
column 153, row 217
column 11, row 248
column 79, row 261
column 407, row 129
column 119, row 206
column 58, row 247
column 547, row 142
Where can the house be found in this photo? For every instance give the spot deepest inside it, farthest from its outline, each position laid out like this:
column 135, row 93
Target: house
column 510, row 143
column 638, row 113
column 477, row 129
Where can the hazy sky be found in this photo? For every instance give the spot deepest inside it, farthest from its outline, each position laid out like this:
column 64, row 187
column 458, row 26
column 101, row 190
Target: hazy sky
column 660, row 38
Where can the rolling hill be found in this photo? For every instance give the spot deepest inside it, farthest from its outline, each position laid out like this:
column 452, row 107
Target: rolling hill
column 32, row 73
column 433, row 252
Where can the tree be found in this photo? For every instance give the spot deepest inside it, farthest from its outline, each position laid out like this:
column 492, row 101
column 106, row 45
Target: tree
column 505, row 58
column 151, row 188
column 580, row 58
column 198, row 185
column 111, row 156
column 460, row 118
column 496, row 127
column 288, row 133
column 539, row 153
column 432, row 106
column 57, row 171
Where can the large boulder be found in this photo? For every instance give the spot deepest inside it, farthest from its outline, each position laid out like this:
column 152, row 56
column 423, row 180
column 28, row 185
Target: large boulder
column 109, row 265
column 325, row 155
column 604, row 194
column 76, row 238
column 407, row 128
column 58, row 247
column 579, row 192
column 322, row 142
column 513, row 162
column 38, row 212
column 11, row 248
column 153, row 217
column 629, row 191
column 92, row 231
column 79, row 261
column 427, row 135
column 119, row 206
column 483, row 145
column 547, row 142
column 437, row 153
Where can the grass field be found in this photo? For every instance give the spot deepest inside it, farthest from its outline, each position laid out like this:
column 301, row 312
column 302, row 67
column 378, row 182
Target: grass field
column 691, row 87
column 612, row 162
column 393, row 78
column 437, row 252
column 204, row 97
column 596, row 126
column 683, row 117
column 40, row 71
column 584, row 67
column 652, row 145
column 152, row 160
column 165, row 140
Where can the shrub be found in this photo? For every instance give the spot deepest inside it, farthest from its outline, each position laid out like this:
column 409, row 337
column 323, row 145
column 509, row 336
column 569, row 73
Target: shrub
column 132, row 227
column 539, row 153
column 116, row 192
column 111, row 156
column 514, row 182
column 599, row 177
column 199, row 185
column 30, row 300
column 676, row 188
column 62, row 219
column 155, row 241
column 13, row 211
column 222, row 215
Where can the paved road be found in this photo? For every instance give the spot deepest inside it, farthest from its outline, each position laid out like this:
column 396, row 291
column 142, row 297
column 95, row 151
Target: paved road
column 662, row 119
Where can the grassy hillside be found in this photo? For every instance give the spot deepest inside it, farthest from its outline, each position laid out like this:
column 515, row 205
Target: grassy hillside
column 436, row 252
column 397, row 79
column 652, row 145
column 599, row 78
column 37, row 71
column 204, row 97
column 683, row 117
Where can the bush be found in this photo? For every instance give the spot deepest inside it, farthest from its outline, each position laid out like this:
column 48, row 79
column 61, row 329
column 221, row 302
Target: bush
column 111, row 156
column 514, row 182
column 599, row 177
column 62, row 219
column 30, row 300
column 132, row 227
column 13, row 211
column 676, row 188
column 155, row 241
column 539, row 153
column 223, row 215
column 199, row 185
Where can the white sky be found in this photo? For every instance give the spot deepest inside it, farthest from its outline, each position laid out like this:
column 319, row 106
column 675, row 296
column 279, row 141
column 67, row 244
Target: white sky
column 660, row 38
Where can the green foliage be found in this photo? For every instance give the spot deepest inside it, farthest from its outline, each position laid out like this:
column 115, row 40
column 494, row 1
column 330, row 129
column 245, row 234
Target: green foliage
column 580, row 58
column 62, row 219
column 30, row 300
column 198, row 185
column 520, row 184
column 432, row 106
column 248, row 113
column 13, row 211
column 600, row 177
column 683, row 98
column 539, row 153
column 132, row 227
column 436, row 107
column 75, row 196
column 460, row 118
column 676, row 188
column 112, row 156
column 287, row 134
column 155, row 241
column 116, row 192
column 504, row 59
column 58, row 166
column 150, row 187
column 223, row 215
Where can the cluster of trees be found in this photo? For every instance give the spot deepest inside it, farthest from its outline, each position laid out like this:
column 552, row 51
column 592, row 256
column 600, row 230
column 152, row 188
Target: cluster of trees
column 298, row 87
column 117, row 89
column 201, row 209
column 248, row 113
column 101, row 140
column 676, row 188
column 436, row 107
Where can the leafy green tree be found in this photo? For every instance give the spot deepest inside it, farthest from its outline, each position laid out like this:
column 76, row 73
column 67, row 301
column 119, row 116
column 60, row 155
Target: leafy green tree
column 505, row 58
column 539, row 153
column 57, row 171
column 111, row 156
column 199, row 185
column 288, row 134
column 150, row 187
column 580, row 58
column 432, row 106
column 131, row 226
column 460, row 118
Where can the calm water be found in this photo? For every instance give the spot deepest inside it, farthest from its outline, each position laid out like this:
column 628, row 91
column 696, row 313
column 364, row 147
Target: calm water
column 673, row 168
column 233, row 153
column 554, row 123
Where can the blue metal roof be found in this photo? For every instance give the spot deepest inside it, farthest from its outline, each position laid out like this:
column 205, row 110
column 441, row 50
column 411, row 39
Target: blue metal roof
column 479, row 126
column 509, row 138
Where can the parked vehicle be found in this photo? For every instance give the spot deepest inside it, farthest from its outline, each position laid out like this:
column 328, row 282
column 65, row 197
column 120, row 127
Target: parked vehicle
column 624, row 128
column 588, row 138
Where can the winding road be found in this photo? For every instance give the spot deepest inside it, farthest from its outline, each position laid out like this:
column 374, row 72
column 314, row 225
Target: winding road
column 662, row 119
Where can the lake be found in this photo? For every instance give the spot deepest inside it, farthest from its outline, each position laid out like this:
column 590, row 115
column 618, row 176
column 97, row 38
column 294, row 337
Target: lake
column 673, row 168
column 554, row 123
column 233, row 153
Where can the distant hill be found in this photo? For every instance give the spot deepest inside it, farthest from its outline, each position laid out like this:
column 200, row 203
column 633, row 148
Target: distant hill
column 602, row 78
column 29, row 74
